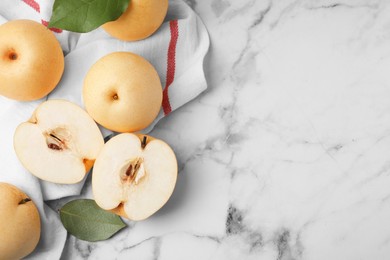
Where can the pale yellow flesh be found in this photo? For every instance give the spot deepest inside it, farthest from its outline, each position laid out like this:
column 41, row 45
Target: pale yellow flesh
column 69, row 122
column 20, row 225
column 139, row 200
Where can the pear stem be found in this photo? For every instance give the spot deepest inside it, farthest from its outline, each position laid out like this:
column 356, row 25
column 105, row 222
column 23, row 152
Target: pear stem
column 143, row 143
column 24, row 201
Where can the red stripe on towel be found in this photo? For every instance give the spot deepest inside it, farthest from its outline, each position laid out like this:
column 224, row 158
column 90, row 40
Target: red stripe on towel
column 171, row 65
column 33, row 4
column 46, row 23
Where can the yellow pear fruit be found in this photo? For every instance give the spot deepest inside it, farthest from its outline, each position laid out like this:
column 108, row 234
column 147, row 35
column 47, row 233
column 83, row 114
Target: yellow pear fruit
column 20, row 226
column 134, row 176
column 31, row 60
column 122, row 92
column 141, row 19
column 59, row 143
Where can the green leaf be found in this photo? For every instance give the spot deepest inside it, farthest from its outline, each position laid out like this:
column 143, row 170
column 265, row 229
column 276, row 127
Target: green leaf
column 85, row 15
column 87, row 221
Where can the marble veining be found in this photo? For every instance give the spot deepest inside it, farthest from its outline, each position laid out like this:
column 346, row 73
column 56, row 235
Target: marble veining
column 285, row 156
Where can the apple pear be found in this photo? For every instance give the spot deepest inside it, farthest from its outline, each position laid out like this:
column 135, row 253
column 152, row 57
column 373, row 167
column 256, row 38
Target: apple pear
column 134, row 176
column 20, row 226
column 59, row 143
column 141, row 19
column 31, row 60
column 122, row 92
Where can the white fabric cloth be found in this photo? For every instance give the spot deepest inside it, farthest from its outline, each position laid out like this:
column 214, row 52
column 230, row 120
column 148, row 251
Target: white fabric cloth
column 177, row 56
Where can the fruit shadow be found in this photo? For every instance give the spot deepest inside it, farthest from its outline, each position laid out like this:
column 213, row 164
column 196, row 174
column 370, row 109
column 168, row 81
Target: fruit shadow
column 178, row 198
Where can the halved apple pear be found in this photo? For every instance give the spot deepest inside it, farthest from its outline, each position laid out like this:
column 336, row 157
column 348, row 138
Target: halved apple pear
column 59, row 143
column 134, row 175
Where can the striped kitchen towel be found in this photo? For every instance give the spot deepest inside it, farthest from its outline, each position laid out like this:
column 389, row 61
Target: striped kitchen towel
column 176, row 50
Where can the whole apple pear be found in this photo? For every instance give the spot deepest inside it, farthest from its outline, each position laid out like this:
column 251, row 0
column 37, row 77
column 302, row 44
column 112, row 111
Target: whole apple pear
column 20, row 225
column 141, row 19
column 31, row 60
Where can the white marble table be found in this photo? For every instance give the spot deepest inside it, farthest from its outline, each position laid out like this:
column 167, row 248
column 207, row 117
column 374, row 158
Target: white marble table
column 287, row 154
